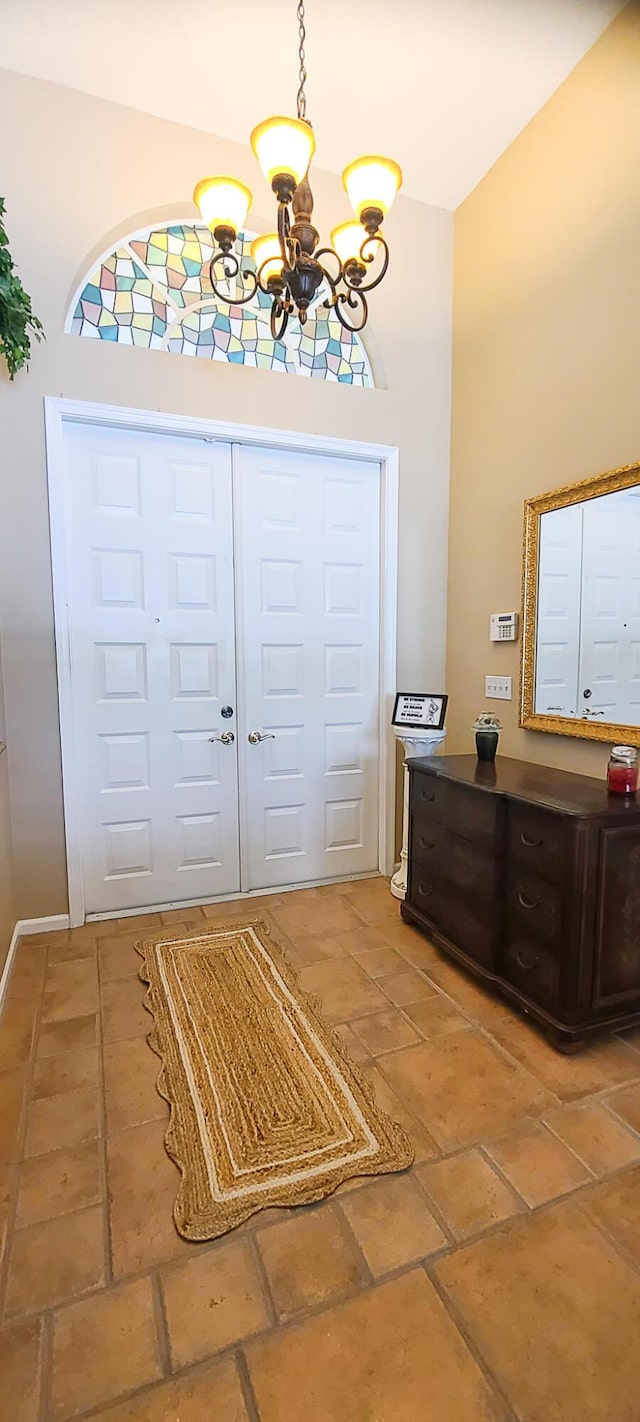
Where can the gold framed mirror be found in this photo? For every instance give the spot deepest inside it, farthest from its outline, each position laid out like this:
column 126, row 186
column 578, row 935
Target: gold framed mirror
column 580, row 663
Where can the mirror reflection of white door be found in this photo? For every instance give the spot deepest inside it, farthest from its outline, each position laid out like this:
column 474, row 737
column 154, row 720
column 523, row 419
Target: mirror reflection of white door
column 609, row 683
column 308, row 551
column 151, row 622
column 558, row 625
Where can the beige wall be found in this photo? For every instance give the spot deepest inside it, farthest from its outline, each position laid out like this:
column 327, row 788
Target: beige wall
column 76, row 170
column 7, row 919
column 546, row 371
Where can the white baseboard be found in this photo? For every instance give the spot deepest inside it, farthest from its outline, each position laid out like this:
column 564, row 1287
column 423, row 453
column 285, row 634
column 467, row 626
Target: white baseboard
column 25, row 926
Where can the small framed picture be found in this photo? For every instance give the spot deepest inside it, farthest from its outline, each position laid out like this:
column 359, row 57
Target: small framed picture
column 420, row 710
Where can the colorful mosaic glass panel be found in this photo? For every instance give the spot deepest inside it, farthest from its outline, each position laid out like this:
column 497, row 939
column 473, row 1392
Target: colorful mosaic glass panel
column 155, row 290
column 119, row 303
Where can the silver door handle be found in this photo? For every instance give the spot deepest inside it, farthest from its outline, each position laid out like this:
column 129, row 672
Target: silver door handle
column 227, row 738
column 255, row 736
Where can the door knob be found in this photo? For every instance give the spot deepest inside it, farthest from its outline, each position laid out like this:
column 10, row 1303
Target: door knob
column 255, row 736
column 227, row 738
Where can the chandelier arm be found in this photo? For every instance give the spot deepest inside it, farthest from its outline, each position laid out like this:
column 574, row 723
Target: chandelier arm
column 366, row 257
column 279, row 321
column 246, row 275
column 287, row 244
column 332, row 280
column 352, row 300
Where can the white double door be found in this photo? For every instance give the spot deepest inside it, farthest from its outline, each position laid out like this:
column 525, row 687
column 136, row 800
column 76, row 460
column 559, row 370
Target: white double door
column 223, row 613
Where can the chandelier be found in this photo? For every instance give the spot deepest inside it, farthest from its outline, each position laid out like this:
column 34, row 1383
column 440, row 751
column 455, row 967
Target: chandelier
column 289, row 265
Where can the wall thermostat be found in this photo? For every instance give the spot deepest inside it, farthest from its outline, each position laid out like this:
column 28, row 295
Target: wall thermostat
column 503, row 627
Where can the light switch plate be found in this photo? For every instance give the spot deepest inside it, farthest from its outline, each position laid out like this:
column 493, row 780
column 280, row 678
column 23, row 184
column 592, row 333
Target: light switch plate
column 497, row 688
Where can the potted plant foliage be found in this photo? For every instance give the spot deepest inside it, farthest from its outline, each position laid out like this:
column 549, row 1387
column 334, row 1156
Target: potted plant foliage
column 17, row 321
column 487, row 728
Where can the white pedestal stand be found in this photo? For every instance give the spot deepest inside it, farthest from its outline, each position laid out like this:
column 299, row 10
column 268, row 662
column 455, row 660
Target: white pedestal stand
column 415, row 744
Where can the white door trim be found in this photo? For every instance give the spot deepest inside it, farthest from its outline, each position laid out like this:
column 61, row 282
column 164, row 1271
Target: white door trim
column 57, row 411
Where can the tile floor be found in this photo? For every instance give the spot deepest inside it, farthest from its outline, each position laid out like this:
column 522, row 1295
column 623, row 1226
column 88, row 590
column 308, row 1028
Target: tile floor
column 497, row 1280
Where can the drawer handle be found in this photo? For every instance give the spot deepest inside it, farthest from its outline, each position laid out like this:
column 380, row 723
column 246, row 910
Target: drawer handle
column 426, row 843
column 530, row 843
column 525, row 962
column 427, row 799
column 425, row 893
column 527, row 903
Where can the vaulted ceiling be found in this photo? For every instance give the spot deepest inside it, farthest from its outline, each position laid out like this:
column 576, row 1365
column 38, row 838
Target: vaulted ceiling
column 444, row 86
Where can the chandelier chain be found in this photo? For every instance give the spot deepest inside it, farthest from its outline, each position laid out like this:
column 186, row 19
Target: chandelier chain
column 302, row 101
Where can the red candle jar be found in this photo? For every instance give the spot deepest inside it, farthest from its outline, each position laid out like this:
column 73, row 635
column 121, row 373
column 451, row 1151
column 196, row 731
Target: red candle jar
column 622, row 771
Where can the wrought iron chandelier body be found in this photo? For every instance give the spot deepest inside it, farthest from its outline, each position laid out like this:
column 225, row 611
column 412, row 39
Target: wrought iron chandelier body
column 289, row 266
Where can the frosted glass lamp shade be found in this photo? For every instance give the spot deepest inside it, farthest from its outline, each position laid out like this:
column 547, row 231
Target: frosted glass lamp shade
column 347, row 240
column 283, row 146
column 222, row 202
column 372, row 183
column 267, row 250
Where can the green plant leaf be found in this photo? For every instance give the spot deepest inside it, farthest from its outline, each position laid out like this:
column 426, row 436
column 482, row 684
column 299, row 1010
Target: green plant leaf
column 17, row 322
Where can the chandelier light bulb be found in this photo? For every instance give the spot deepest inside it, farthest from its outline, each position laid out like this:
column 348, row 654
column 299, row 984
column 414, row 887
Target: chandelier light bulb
column 347, row 240
column 267, row 255
column 223, row 202
column 372, row 183
column 283, row 146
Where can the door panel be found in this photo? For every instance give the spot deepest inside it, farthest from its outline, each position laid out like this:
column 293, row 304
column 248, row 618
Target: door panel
column 307, row 551
column 149, row 554
column 610, row 640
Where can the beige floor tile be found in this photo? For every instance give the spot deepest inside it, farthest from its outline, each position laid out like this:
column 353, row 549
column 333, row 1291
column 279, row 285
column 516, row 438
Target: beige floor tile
column 130, row 1085
column 361, row 940
column 191, row 914
column 58, row 1121
column 423, row 1143
column 356, row 1049
column 55, row 1261
column 330, row 916
column 64, row 949
column 308, row 1260
column 615, row 1204
column 626, row 1105
column 8, row 1186
column 603, row 1143
column 437, row 1017
column 416, row 950
column 27, row 973
column 470, row 1196
column 133, row 922
column 406, row 987
column 392, row 1223
column 465, row 990
column 316, row 950
column 59, row 1182
column 211, row 1394
column 463, row 1088
column 142, row 1184
column 380, row 962
column 553, row 1310
column 17, row 1026
column 103, row 1346
column 605, row 1063
column 20, row 1370
column 12, row 1091
column 123, row 1011
column 344, row 990
column 539, row 1165
column 69, row 1071
column 70, row 1036
column 212, row 1301
column 80, row 976
column 61, row 1003
column 117, row 957
column 392, row 1355
column 385, row 1032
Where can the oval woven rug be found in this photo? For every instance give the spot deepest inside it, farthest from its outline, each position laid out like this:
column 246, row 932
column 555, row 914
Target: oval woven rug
column 266, row 1108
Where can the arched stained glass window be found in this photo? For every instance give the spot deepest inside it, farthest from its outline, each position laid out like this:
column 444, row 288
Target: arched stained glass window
column 153, row 290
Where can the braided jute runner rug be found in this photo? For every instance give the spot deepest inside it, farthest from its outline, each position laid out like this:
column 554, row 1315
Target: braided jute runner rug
column 266, row 1108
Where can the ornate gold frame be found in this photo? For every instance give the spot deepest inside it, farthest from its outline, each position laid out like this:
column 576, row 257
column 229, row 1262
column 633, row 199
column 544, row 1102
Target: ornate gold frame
column 593, row 488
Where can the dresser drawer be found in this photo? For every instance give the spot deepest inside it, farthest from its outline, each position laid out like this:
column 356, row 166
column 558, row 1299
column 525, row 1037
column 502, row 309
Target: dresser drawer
column 425, row 839
column 423, row 894
column 538, row 840
column 426, row 794
column 532, row 968
column 535, row 905
column 470, row 812
column 468, row 928
column 465, row 867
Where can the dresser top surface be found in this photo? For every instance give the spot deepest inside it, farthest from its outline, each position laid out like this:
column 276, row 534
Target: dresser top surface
column 536, row 784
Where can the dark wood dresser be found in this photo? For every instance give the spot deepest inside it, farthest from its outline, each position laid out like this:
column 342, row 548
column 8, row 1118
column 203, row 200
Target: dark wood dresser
column 530, row 877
